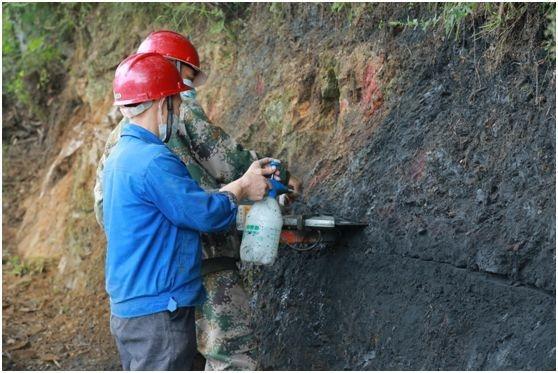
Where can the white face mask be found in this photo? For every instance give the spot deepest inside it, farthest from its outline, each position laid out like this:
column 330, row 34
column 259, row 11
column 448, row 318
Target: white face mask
column 162, row 124
column 190, row 94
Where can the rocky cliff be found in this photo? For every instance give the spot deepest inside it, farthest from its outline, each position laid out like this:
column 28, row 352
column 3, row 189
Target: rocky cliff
column 440, row 135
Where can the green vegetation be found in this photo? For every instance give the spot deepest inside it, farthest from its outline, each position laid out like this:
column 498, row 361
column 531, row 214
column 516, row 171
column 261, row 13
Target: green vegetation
column 219, row 17
column 19, row 267
column 550, row 33
column 39, row 38
column 33, row 43
column 497, row 20
column 453, row 16
column 350, row 11
column 451, row 19
column 493, row 21
column 337, row 7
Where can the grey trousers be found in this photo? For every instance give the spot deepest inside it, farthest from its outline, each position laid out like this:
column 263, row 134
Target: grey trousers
column 161, row 341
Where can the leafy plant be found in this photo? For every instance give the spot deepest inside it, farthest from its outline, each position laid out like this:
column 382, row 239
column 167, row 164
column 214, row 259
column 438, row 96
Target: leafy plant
column 38, row 38
column 276, row 10
column 17, row 266
column 496, row 20
column 216, row 16
column 453, row 17
column 350, row 11
column 34, row 37
column 414, row 23
column 338, row 7
column 550, row 32
column 500, row 19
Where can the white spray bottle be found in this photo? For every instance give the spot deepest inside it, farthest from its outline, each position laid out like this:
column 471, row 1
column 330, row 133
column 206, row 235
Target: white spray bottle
column 260, row 239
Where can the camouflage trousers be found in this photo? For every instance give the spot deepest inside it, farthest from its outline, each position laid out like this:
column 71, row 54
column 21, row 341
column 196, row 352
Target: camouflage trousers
column 224, row 335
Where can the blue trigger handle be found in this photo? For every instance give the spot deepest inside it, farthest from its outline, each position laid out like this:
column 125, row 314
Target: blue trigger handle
column 277, row 187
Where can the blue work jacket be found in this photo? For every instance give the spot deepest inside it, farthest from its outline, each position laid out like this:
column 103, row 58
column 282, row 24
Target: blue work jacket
column 153, row 215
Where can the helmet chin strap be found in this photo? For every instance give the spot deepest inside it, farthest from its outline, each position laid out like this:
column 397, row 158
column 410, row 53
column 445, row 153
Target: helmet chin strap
column 170, row 111
column 170, row 115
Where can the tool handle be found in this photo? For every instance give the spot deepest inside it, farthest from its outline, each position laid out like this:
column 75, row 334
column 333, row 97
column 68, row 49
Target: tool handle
column 277, row 187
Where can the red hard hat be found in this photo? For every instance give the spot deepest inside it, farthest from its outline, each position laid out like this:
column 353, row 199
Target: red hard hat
column 173, row 45
column 145, row 77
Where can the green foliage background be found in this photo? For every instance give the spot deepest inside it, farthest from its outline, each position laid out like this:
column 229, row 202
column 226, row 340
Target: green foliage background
column 38, row 38
column 33, row 42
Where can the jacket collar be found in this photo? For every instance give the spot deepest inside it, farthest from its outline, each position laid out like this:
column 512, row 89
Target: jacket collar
column 141, row 133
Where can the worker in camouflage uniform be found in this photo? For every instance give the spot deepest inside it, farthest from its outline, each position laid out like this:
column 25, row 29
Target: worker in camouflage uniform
column 212, row 157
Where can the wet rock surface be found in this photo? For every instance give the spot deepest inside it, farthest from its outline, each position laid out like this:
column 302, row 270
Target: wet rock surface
column 353, row 309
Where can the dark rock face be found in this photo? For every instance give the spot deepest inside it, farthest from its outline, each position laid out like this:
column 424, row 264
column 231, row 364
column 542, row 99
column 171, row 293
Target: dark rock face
column 457, row 267
column 349, row 309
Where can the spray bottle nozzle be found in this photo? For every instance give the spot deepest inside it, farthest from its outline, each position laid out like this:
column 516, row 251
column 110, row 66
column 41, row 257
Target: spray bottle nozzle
column 277, row 188
column 275, row 163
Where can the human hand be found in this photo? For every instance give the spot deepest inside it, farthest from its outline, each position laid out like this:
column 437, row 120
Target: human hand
column 254, row 182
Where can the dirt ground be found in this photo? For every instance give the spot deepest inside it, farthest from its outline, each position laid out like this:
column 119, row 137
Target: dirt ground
column 44, row 329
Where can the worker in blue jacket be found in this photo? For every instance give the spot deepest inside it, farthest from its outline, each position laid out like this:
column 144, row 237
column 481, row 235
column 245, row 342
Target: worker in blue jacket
column 154, row 213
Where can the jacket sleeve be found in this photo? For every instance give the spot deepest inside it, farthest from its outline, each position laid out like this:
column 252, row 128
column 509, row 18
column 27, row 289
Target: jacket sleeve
column 212, row 147
column 217, row 152
column 98, row 189
column 169, row 186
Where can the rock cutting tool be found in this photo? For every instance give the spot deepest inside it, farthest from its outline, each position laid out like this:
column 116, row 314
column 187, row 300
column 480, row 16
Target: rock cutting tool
column 306, row 232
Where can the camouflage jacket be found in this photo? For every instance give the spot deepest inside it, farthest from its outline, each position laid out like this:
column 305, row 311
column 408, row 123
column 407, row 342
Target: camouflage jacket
column 212, row 158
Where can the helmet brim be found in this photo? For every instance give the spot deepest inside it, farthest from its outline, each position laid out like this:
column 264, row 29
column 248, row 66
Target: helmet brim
column 143, row 97
column 199, row 79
